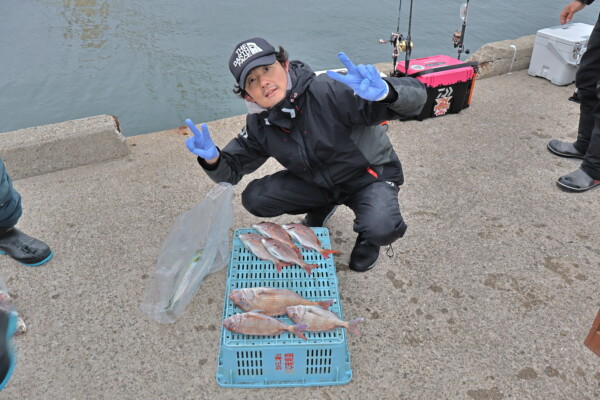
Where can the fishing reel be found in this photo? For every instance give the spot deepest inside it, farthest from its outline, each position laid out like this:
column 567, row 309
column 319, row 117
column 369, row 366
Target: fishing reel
column 458, row 37
column 457, row 40
column 399, row 43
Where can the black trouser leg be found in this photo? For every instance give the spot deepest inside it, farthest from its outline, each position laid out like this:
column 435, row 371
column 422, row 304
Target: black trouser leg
column 588, row 89
column 283, row 193
column 378, row 219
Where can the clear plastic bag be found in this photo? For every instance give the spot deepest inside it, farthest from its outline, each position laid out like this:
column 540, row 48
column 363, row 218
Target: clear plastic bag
column 197, row 245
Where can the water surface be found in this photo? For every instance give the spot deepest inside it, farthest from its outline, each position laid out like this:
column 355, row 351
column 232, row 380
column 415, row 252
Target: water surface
column 154, row 63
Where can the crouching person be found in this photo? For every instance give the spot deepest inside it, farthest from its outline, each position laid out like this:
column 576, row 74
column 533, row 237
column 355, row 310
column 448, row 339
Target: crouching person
column 326, row 132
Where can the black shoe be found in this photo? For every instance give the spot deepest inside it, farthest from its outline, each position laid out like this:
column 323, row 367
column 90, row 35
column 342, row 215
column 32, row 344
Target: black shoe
column 577, row 181
column 575, row 98
column 364, row 255
column 318, row 217
column 8, row 322
column 23, row 248
column 564, row 149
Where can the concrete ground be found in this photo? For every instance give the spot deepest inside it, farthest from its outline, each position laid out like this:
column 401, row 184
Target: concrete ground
column 489, row 295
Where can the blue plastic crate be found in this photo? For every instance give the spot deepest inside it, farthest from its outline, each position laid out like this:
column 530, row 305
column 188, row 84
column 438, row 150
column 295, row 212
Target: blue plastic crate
column 251, row 361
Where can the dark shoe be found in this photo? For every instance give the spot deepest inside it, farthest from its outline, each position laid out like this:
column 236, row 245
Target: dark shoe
column 364, row 255
column 575, row 98
column 318, row 217
column 23, row 248
column 564, row 149
column 577, row 181
column 8, row 323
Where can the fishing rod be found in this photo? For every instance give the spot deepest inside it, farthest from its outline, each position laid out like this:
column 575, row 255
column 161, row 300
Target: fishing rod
column 408, row 40
column 459, row 36
column 398, row 42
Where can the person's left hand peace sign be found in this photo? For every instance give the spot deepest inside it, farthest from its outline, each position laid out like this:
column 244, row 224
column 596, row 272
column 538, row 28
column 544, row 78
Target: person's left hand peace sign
column 363, row 79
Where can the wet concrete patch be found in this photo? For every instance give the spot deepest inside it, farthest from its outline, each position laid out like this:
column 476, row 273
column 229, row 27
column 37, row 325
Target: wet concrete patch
column 559, row 269
column 398, row 284
column 527, row 373
column 507, row 283
column 412, row 339
column 436, row 289
column 485, row 394
column 342, row 267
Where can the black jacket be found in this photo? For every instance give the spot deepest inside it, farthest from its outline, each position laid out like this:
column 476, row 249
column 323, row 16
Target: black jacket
column 322, row 132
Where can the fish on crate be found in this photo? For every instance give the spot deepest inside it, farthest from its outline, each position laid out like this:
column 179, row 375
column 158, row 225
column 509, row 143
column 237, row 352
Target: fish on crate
column 320, row 320
column 307, row 238
column 276, row 231
column 254, row 323
column 283, row 252
column 271, row 301
column 252, row 241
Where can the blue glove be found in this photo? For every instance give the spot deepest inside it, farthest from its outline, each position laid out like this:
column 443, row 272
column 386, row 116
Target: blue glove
column 363, row 79
column 200, row 143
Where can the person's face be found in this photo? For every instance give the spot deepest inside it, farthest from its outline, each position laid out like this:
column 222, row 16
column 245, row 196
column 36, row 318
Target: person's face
column 266, row 85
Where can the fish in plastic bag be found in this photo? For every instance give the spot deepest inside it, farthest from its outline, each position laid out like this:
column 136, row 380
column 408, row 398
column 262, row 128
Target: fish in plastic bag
column 197, row 244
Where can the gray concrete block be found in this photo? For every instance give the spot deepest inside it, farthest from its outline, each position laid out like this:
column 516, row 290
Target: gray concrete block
column 47, row 148
column 496, row 58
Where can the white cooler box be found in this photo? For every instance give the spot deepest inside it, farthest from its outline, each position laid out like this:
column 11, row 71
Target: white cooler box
column 557, row 51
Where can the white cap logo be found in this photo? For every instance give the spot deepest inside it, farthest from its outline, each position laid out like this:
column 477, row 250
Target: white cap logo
column 245, row 51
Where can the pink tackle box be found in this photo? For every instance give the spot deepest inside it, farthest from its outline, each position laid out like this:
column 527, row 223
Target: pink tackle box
column 449, row 82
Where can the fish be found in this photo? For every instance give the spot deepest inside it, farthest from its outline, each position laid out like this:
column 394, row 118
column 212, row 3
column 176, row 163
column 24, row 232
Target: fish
column 307, row 238
column 276, row 231
column 319, row 320
column 282, row 251
column 254, row 323
column 271, row 301
column 252, row 241
column 185, row 277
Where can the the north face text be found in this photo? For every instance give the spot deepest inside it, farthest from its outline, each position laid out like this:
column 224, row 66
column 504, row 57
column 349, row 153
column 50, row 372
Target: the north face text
column 244, row 52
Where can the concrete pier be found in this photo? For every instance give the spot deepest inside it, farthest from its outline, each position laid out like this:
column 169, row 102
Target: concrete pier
column 490, row 294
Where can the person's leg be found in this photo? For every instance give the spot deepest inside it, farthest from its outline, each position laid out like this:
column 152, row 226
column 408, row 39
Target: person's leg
column 588, row 139
column 591, row 162
column 283, row 193
column 23, row 248
column 588, row 74
column 586, row 82
column 378, row 222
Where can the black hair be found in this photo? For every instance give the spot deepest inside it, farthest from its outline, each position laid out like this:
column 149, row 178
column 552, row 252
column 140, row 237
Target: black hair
column 281, row 56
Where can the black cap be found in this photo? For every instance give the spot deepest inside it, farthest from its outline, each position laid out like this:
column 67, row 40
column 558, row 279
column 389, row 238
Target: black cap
column 250, row 54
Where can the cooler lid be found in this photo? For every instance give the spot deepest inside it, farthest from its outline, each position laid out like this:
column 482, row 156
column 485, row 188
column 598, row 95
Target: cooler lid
column 572, row 33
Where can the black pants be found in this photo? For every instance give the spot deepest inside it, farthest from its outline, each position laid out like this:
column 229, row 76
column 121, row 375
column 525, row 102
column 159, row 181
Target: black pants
column 588, row 90
column 376, row 209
